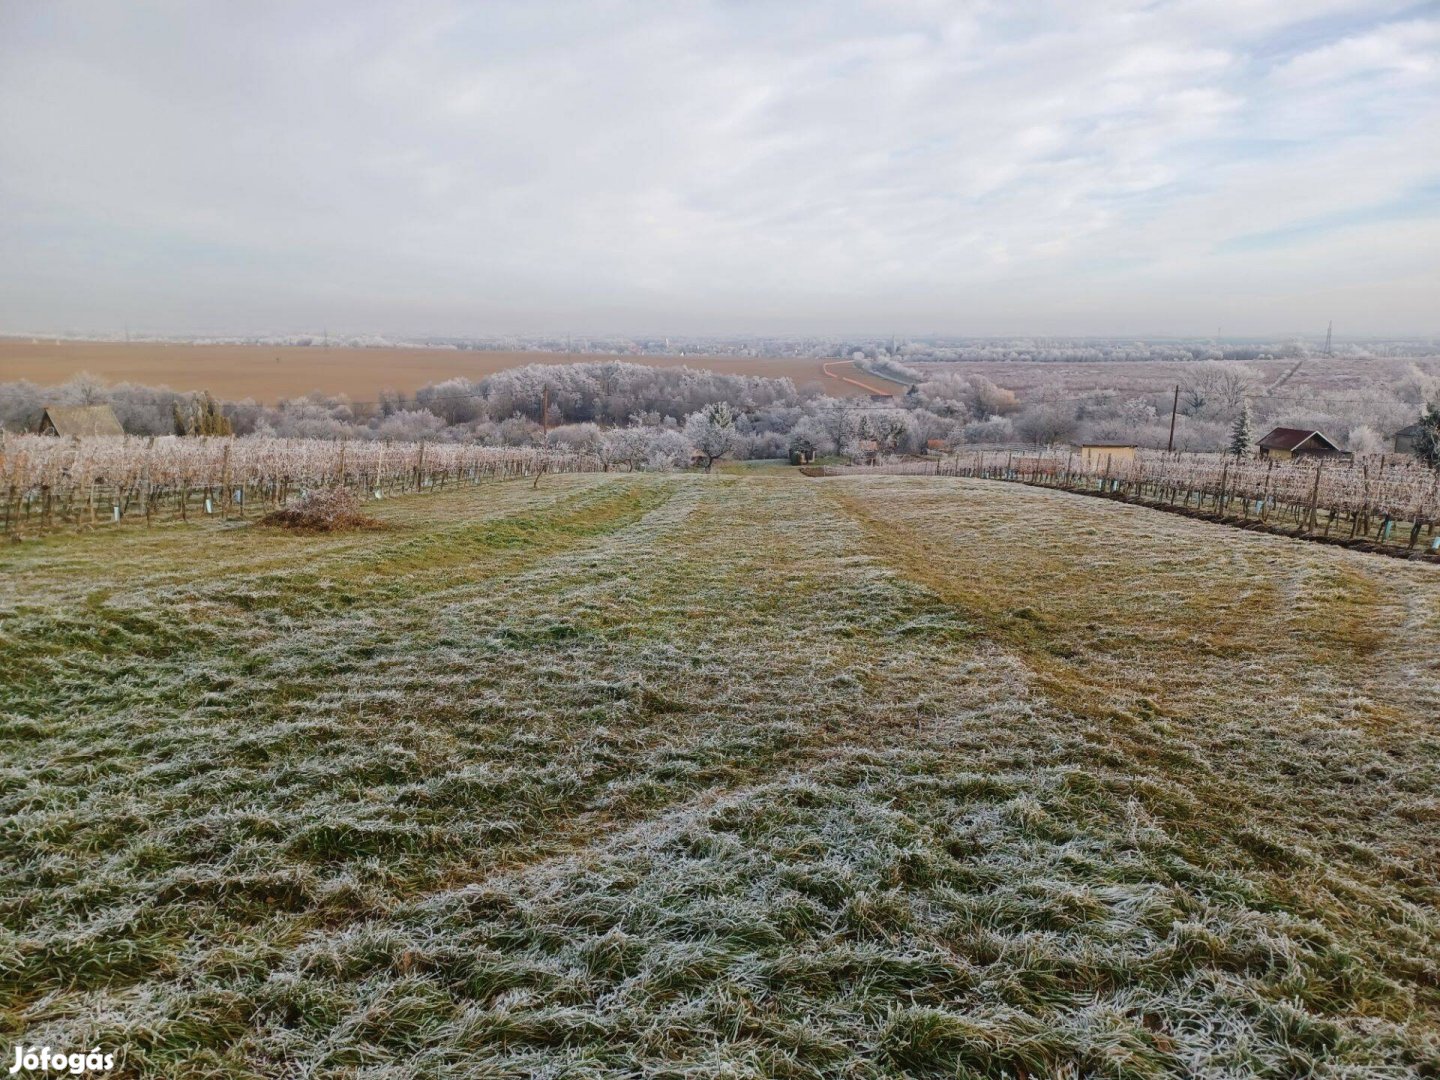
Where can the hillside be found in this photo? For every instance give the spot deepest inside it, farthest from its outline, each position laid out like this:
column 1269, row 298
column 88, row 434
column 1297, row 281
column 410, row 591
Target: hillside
column 742, row 775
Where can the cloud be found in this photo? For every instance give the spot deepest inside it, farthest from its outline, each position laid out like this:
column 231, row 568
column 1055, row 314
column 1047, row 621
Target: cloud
column 446, row 167
column 1405, row 49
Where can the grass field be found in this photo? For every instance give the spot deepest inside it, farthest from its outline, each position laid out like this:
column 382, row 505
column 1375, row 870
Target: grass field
column 742, row 775
column 269, row 374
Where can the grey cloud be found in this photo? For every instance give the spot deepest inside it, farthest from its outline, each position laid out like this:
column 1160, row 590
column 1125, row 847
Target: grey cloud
column 618, row 165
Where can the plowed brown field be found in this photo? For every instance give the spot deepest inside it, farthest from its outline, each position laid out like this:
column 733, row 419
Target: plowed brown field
column 268, row 374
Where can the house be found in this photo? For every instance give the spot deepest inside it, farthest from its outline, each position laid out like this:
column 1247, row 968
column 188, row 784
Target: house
column 1284, row 443
column 802, row 451
column 79, row 420
column 1105, row 453
column 1407, row 439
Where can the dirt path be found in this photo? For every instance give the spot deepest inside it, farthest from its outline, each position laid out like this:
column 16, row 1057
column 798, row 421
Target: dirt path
column 875, row 391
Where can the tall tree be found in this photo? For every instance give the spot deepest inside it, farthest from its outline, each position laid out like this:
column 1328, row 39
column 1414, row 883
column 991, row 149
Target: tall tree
column 202, row 416
column 1242, row 433
column 1427, row 446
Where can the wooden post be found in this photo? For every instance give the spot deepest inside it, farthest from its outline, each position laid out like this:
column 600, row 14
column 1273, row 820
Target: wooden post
column 1174, row 408
column 225, row 489
column 1308, row 524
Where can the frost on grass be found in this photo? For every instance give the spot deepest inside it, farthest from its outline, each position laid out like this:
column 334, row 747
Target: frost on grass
column 683, row 776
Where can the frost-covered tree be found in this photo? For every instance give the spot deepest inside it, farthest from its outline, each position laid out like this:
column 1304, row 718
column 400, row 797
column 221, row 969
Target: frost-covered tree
column 1242, row 432
column 200, row 416
column 712, row 431
column 410, row 425
column 21, row 405
column 669, row 449
column 584, row 438
column 890, row 427
column 1427, row 446
column 1365, row 441
column 987, row 399
column 628, row 446
column 998, row 429
column 1047, row 424
column 1217, row 390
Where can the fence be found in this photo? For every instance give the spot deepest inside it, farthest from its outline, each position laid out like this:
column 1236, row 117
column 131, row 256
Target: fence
column 48, row 481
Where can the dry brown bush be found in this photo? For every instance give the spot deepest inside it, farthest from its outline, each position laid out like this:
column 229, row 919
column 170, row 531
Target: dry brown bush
column 326, row 510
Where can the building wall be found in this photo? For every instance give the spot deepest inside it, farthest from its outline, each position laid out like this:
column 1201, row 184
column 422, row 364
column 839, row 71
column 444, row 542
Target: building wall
column 1099, row 454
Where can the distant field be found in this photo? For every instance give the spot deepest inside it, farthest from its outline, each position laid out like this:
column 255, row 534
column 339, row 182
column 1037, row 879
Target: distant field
column 1313, row 379
column 659, row 775
column 269, row 374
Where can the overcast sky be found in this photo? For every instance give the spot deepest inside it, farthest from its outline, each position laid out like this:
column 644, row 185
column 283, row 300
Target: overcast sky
column 751, row 166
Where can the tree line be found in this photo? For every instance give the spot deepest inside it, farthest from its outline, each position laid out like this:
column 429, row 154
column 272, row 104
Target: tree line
column 587, row 406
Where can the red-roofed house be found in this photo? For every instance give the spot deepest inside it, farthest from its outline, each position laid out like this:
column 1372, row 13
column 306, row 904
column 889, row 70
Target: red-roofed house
column 1284, row 443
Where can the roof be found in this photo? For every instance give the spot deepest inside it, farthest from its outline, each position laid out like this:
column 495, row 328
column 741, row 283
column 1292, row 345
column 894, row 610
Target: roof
column 1291, row 438
column 1410, row 430
column 82, row 420
column 1107, row 445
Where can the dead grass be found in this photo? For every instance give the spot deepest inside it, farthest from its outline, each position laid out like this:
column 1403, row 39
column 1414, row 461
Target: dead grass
column 721, row 776
column 324, row 510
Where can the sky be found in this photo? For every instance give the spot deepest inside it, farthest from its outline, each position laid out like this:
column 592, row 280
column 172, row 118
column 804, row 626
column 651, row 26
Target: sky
column 749, row 166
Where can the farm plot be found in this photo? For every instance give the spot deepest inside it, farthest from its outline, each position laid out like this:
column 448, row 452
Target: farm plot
column 674, row 775
column 269, row 374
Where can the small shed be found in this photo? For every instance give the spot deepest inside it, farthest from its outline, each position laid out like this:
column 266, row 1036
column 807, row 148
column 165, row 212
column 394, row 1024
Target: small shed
column 802, row 451
column 1285, row 443
column 1407, row 439
column 869, row 450
column 79, row 420
column 935, row 446
column 1103, row 453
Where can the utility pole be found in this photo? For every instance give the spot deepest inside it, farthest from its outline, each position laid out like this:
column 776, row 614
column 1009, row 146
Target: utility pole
column 545, row 413
column 1174, row 408
column 1329, row 338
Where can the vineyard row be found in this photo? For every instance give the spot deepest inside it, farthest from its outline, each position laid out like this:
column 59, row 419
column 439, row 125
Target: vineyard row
column 1388, row 502
column 48, row 481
